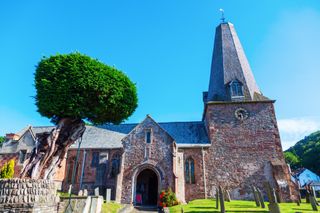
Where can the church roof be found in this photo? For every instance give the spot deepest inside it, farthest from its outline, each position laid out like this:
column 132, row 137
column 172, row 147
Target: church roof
column 229, row 63
column 182, row 132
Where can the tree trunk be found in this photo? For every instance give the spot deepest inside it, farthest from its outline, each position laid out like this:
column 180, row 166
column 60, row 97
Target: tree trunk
column 51, row 148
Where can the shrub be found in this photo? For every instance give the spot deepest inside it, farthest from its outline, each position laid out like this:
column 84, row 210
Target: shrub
column 7, row 171
column 168, row 198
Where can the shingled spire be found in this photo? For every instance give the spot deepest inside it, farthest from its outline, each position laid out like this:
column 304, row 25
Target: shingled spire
column 231, row 76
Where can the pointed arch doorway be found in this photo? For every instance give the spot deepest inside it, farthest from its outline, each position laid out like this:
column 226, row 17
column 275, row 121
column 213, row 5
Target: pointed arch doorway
column 147, row 188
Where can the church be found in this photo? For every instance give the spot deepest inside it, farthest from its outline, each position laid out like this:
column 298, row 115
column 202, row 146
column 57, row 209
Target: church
column 236, row 143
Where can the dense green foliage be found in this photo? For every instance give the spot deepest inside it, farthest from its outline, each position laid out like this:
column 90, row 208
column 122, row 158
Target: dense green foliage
column 2, row 139
column 77, row 86
column 306, row 153
column 7, row 171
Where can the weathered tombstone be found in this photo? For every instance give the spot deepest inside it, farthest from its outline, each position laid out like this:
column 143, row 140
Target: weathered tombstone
column 80, row 193
column 273, row 205
column 227, row 195
column 260, row 198
column 313, row 203
column 307, row 195
column 85, row 192
column 217, row 198
column 108, row 195
column 278, row 196
column 221, row 198
column 70, row 188
column 182, row 211
column 96, row 191
column 255, row 196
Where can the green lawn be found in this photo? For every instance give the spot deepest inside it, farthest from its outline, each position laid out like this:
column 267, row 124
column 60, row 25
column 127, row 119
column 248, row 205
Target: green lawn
column 203, row 206
column 110, row 207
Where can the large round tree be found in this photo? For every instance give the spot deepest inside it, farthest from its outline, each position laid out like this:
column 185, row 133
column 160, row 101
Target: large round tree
column 70, row 89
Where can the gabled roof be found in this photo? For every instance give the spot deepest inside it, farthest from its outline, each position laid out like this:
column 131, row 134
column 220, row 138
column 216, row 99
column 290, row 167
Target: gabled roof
column 193, row 132
column 229, row 62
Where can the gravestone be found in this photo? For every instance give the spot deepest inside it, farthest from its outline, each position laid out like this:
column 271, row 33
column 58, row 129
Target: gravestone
column 227, row 196
column 85, row 192
column 273, row 206
column 217, row 198
column 96, row 191
column 221, row 198
column 28, row 195
column 80, row 193
column 108, row 195
column 255, row 196
column 70, row 188
column 260, row 198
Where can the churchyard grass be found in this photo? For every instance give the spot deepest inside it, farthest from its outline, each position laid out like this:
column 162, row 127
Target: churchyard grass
column 202, row 206
column 110, row 207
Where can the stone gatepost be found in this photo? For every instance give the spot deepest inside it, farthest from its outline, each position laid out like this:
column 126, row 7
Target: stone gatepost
column 28, row 195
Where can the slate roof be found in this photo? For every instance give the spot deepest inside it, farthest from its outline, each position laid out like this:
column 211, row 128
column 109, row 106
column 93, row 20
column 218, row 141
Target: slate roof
column 182, row 132
column 229, row 63
column 110, row 136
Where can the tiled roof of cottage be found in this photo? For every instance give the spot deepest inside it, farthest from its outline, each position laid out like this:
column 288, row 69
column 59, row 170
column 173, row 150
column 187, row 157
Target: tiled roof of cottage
column 182, row 132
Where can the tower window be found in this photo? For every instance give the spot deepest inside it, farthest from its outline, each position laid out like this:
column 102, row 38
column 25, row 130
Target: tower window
column 189, row 171
column 236, row 89
column 148, row 136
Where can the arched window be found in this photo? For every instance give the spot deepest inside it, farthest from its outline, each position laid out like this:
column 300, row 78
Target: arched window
column 236, row 89
column 115, row 165
column 189, row 171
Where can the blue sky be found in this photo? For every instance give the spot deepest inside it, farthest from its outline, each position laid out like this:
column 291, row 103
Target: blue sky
column 165, row 47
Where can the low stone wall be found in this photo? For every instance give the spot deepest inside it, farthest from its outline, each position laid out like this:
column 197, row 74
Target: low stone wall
column 28, row 195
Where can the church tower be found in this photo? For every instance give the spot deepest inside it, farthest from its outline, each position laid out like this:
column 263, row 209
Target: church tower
column 241, row 124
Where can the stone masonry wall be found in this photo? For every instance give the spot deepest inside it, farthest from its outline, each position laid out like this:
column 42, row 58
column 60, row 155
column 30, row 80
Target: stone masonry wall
column 28, row 195
column 242, row 150
column 139, row 155
column 194, row 190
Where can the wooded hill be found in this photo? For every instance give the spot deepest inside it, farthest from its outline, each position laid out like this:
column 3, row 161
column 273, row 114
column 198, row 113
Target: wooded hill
column 305, row 153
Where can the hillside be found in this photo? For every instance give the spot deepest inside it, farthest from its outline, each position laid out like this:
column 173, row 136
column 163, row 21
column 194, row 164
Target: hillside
column 305, row 153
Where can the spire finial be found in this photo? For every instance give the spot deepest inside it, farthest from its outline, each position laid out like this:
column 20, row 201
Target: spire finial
column 222, row 15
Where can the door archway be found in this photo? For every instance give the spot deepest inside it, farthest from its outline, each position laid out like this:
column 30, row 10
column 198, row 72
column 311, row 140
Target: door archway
column 147, row 188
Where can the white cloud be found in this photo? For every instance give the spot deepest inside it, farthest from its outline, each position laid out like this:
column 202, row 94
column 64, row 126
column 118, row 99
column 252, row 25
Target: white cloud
column 294, row 129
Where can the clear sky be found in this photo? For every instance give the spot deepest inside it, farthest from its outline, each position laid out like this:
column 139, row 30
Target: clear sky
column 165, row 47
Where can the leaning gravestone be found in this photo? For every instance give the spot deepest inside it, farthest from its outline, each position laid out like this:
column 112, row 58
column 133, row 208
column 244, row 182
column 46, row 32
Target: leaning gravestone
column 260, row 198
column 28, row 195
column 255, row 196
column 273, row 205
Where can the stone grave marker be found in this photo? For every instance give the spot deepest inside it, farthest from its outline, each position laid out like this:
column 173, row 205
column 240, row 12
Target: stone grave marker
column 80, row 193
column 227, row 196
column 217, row 198
column 255, row 196
column 96, row 191
column 221, row 198
column 108, row 195
column 85, row 192
column 273, row 205
column 260, row 198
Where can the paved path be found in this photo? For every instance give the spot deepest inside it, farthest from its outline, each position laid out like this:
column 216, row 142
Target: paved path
column 145, row 210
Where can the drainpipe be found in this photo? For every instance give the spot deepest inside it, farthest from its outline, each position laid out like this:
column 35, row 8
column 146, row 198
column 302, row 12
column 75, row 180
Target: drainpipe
column 204, row 174
column 82, row 167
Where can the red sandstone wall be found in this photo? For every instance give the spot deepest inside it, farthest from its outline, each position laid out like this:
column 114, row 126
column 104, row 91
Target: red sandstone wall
column 241, row 151
column 160, row 157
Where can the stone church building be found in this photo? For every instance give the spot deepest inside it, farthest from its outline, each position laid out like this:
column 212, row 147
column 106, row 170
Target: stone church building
column 236, row 143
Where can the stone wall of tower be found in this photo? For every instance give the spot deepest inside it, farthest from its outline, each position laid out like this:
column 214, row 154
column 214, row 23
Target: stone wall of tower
column 245, row 152
column 138, row 155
